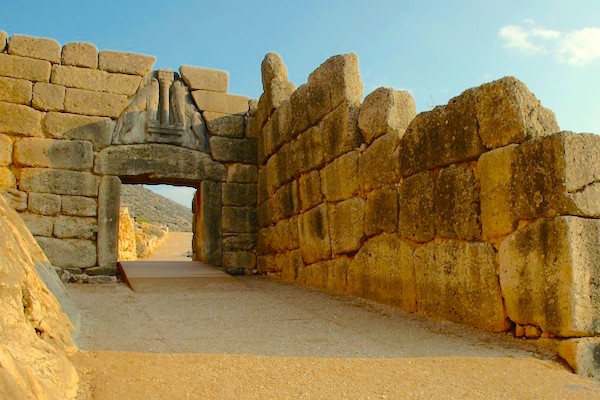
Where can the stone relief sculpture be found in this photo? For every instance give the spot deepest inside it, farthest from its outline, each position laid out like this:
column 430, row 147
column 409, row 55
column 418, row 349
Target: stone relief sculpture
column 162, row 111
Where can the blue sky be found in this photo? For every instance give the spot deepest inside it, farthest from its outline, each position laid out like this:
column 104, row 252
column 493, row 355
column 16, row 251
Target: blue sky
column 434, row 49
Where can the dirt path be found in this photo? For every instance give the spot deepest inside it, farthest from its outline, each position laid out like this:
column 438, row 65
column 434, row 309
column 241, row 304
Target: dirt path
column 253, row 338
column 177, row 247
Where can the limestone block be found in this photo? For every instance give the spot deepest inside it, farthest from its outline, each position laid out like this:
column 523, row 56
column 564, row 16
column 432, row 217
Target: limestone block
column 220, row 102
column 381, row 211
column 509, row 113
column 292, row 264
column 239, row 259
column 51, row 153
column 266, row 139
column 16, row 119
column 262, row 191
column 233, row 150
column 160, row 161
column 122, row 84
column 239, row 220
column 16, row 199
column 109, row 203
column 457, row 206
column 242, row 241
column 57, row 181
column 34, row 47
column 6, row 150
column 583, row 355
column 457, row 281
column 125, row 63
column 417, row 206
column 38, row 225
column 289, row 161
column 44, row 203
column 75, row 227
column 79, row 206
column 339, row 179
column 340, row 131
column 550, row 276
column 15, row 90
column 80, row 78
column 284, row 235
column 7, row 179
column 69, row 253
column 80, row 55
column 283, row 118
column 379, row 164
column 204, row 78
column 242, row 173
column 78, row 101
column 208, row 221
column 98, row 130
column 347, row 225
column 337, row 274
column 313, row 230
column 386, row 111
column 443, row 136
column 310, row 145
column 239, row 194
column 220, row 124
column 299, row 110
column 251, row 128
column 272, row 69
column 310, row 190
column 383, row 270
column 25, row 68
column 285, row 202
column 314, row 275
column 265, row 264
column 2, row 41
column 48, row 97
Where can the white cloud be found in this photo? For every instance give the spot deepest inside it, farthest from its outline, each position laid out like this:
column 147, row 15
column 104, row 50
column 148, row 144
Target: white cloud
column 516, row 37
column 579, row 47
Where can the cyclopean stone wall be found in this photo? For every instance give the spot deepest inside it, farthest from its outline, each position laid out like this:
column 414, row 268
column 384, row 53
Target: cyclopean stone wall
column 75, row 122
column 479, row 211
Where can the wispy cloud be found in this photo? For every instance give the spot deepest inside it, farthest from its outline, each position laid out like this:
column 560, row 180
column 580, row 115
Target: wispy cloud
column 580, row 47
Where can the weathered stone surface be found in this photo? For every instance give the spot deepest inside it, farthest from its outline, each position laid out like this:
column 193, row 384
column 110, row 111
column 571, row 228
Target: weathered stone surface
column 25, row 68
column 6, row 150
column 109, row 203
column 16, row 119
column 239, row 259
column 383, row 270
column 38, row 225
column 266, row 264
column 79, row 206
column 233, row 150
column 509, row 113
column 285, row 202
column 80, row 78
column 239, row 220
column 339, row 179
column 125, row 63
column 272, row 69
column 313, row 229
column 314, row 275
column 310, row 190
column 417, row 206
column 158, row 161
column 340, row 131
column 2, row 40
column 204, row 78
column 75, row 227
column 56, row 181
column 209, row 221
column 443, row 136
column 69, row 253
column 251, row 128
column 16, row 199
column 80, row 55
column 262, row 191
column 347, row 225
column 381, row 211
column 15, row 90
column 386, row 111
column 48, row 97
column 457, row 207
column 242, row 241
column 583, row 355
column 44, row 203
column 310, row 146
column 299, row 110
column 122, row 84
column 7, row 179
column 220, row 102
column 224, row 124
column 292, row 264
column 239, row 194
column 52, row 153
column 549, row 273
column 34, row 47
column 379, row 164
column 98, row 130
column 284, row 235
column 126, row 241
column 242, row 173
column 457, row 281
column 78, row 101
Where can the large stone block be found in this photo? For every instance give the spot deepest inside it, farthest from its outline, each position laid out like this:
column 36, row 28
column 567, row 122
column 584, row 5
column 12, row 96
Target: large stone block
column 242, row 173
column 381, row 211
column 292, row 265
column 339, row 179
column 417, row 206
column 125, row 63
column 239, row 259
column 38, row 225
column 445, row 135
column 224, row 124
column 386, row 111
column 80, row 55
column 340, row 131
column 56, row 181
column 7, row 179
column 79, row 78
column 457, row 206
column 48, row 97
column 6, row 150
column 208, row 244
column 15, row 198
column 310, row 146
column 550, row 276
column 251, row 128
column 16, row 119
column 220, row 102
column 98, row 130
column 379, row 164
column 347, row 225
column 122, row 84
column 314, row 275
column 75, row 227
column 383, row 270
column 239, row 220
column 242, row 241
column 51, row 153
column 310, row 190
column 239, row 194
column 34, row 47
column 15, row 90
column 44, row 203
column 284, row 236
column 299, row 110
column 457, row 281
column 158, row 161
column 69, row 253
column 508, row 112
column 79, row 206
column 313, row 230
column 25, row 68
column 204, row 78
column 583, row 355
column 233, row 150
column 109, row 203
column 285, row 202
column 78, row 101
column 2, row 40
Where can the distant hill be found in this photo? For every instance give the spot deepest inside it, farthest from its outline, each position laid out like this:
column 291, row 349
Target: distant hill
column 157, row 209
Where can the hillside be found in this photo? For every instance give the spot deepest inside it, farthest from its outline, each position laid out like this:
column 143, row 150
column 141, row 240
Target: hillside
column 157, row 209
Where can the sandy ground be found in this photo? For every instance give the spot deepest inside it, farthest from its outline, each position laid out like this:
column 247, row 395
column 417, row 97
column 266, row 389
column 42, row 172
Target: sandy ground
column 177, row 247
column 253, row 338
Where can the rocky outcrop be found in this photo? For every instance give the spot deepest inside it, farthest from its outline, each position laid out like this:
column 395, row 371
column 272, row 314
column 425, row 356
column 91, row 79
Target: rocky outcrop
column 126, row 241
